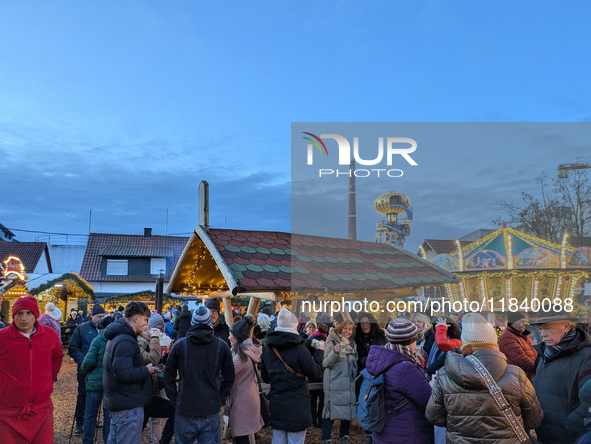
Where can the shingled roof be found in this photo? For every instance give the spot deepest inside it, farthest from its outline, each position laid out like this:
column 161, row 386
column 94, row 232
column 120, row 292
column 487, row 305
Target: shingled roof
column 277, row 261
column 28, row 252
column 126, row 245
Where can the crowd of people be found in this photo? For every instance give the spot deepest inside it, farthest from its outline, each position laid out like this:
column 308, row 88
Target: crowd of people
column 447, row 379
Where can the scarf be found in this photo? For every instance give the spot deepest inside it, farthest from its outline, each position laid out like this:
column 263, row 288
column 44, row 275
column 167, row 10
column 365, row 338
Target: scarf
column 407, row 351
column 551, row 351
column 216, row 323
column 468, row 349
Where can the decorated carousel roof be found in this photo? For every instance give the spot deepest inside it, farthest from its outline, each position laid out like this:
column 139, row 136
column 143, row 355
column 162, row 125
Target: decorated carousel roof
column 508, row 249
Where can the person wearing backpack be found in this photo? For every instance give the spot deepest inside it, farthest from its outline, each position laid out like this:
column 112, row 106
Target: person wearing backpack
column 286, row 365
column 406, row 388
column 205, row 372
column 340, row 370
column 463, row 402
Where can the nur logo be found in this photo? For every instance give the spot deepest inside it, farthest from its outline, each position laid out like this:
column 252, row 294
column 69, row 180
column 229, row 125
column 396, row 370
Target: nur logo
column 345, row 156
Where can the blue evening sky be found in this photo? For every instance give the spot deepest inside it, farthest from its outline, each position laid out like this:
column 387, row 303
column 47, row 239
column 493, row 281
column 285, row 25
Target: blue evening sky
column 124, row 106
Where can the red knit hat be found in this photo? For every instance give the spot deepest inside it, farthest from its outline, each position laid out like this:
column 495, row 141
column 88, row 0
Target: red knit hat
column 26, row 303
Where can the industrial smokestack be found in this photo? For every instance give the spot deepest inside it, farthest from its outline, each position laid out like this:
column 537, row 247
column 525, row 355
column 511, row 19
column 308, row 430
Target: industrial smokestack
column 352, row 219
column 204, row 205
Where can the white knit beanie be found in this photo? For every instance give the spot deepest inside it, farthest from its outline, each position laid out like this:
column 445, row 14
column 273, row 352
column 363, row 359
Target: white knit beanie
column 286, row 319
column 53, row 311
column 477, row 330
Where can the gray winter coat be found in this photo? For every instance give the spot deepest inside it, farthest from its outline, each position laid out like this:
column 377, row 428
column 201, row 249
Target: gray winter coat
column 557, row 384
column 339, row 380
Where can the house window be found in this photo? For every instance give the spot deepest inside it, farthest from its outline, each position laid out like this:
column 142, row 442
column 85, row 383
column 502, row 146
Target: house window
column 157, row 264
column 117, row 267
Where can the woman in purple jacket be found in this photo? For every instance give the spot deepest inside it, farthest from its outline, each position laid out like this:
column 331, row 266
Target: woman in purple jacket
column 406, row 386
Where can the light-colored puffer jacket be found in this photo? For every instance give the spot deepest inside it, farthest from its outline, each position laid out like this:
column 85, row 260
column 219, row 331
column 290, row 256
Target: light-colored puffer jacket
column 461, row 402
column 339, row 380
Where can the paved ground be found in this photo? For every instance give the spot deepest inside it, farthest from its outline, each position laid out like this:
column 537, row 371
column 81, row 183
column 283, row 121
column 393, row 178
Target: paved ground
column 64, row 400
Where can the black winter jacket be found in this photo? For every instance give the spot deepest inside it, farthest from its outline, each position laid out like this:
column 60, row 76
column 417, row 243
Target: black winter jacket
column 80, row 342
column 182, row 324
column 203, row 387
column 557, row 385
column 222, row 331
column 289, row 398
column 126, row 380
column 363, row 344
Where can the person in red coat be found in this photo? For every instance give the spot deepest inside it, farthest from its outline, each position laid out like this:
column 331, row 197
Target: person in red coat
column 517, row 346
column 30, row 358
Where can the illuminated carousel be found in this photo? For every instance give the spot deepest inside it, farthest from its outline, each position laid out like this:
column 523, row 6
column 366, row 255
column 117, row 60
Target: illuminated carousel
column 12, row 285
column 511, row 270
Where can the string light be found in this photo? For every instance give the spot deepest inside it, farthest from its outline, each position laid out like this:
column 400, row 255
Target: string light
column 460, row 256
column 563, row 251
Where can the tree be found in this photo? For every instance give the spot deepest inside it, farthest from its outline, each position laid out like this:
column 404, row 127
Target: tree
column 565, row 206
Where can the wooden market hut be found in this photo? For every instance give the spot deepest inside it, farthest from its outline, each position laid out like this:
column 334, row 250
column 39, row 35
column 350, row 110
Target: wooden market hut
column 148, row 297
column 68, row 291
column 11, row 291
column 509, row 264
column 275, row 266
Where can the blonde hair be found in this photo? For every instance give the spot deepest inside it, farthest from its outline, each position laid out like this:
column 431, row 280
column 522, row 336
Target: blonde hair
column 420, row 317
column 342, row 325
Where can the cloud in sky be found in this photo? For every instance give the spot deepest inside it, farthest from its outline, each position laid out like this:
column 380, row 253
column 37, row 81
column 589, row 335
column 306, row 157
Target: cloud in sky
column 124, row 107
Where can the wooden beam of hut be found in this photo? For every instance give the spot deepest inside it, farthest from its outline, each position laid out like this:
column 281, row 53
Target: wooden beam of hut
column 229, row 316
column 267, row 296
column 384, row 315
column 253, row 306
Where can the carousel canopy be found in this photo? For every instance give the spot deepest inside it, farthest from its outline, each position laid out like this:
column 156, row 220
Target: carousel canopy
column 509, row 249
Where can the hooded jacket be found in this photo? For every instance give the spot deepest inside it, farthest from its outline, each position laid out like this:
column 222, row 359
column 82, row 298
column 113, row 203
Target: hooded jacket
column 244, row 402
column 28, row 367
column 557, row 384
column 126, row 380
column 182, row 324
column 461, row 401
column 289, row 398
column 92, row 365
column 339, row 380
column 194, row 359
column 403, row 379
column 519, row 350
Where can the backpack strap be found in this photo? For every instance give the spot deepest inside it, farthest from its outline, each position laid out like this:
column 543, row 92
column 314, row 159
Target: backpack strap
column 499, row 398
column 256, row 375
column 374, row 377
column 217, row 356
column 291, row 370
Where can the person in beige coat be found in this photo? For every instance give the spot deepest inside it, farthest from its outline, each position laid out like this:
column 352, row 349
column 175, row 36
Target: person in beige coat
column 461, row 401
column 244, row 402
column 340, row 370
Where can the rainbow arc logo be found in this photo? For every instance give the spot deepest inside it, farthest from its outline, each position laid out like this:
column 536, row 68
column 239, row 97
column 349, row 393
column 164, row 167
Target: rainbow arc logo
column 314, row 142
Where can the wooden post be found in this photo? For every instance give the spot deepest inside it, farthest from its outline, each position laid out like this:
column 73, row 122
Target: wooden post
column 384, row 315
column 229, row 316
column 253, row 306
column 346, row 315
column 204, row 205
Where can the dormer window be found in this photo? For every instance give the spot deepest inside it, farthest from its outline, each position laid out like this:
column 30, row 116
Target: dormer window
column 157, row 264
column 117, row 267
